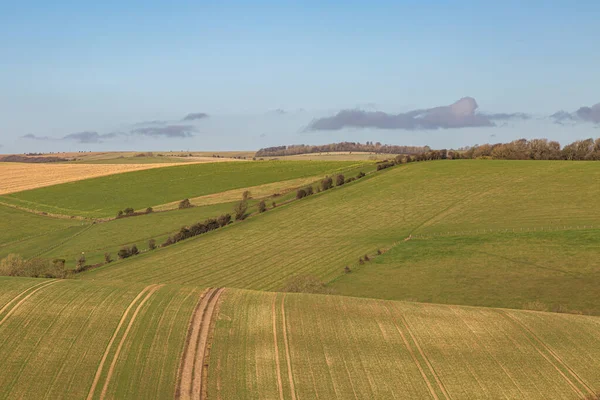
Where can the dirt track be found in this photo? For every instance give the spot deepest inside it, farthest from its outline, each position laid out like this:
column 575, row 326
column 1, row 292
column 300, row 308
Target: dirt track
column 191, row 385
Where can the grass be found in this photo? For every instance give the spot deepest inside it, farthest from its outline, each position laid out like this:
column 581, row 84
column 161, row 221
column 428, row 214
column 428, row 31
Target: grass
column 53, row 343
column 322, row 234
column 103, row 197
column 17, row 225
column 307, row 346
column 554, row 269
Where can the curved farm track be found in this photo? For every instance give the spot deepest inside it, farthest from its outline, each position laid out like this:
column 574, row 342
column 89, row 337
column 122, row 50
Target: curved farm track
column 191, row 383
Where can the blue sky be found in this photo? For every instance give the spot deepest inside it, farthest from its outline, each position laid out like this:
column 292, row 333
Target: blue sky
column 69, row 67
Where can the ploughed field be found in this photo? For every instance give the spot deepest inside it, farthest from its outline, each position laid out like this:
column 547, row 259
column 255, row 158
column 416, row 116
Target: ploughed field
column 186, row 321
column 79, row 339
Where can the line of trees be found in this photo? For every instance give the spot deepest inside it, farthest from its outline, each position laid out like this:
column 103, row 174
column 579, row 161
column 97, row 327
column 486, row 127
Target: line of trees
column 187, row 232
column 341, row 147
column 537, row 149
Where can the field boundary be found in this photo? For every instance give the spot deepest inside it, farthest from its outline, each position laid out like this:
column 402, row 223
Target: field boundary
column 192, row 370
column 11, row 311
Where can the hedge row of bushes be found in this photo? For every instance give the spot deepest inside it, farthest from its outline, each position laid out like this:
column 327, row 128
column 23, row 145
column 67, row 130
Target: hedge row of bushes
column 130, row 212
column 198, row 229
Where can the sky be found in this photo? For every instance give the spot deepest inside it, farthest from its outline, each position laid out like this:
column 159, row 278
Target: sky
column 117, row 75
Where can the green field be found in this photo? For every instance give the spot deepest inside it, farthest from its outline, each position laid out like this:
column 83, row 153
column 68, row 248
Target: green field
column 104, row 196
column 322, row 234
column 558, row 270
column 299, row 346
column 17, row 226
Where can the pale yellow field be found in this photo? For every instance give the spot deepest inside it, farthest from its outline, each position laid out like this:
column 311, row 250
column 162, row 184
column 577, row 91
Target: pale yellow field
column 16, row 177
column 256, row 192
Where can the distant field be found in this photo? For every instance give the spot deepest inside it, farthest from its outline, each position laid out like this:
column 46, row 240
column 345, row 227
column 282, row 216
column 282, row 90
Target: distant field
column 103, row 197
column 16, row 177
column 17, row 225
column 322, row 234
column 56, row 335
column 299, row 346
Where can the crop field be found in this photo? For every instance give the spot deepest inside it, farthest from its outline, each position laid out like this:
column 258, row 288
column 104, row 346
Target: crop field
column 96, row 239
column 103, row 197
column 21, row 225
column 557, row 270
column 322, row 234
column 17, row 177
column 299, row 346
column 77, row 340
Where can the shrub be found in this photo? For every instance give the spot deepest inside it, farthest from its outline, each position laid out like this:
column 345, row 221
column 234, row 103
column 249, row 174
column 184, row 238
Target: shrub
column 305, row 284
column 274, row 204
column 198, row 229
column 80, row 262
column 129, row 211
column 360, row 175
column 309, row 190
column 246, row 195
column 224, row 220
column 378, row 252
column 240, row 210
column 149, row 210
column 347, row 269
column 211, row 224
column 120, row 214
column 301, row 193
column 326, row 183
column 168, row 242
column 361, row 261
column 351, row 179
column 134, row 250
column 15, row 265
column 185, row 203
column 152, row 244
column 366, row 257
column 107, row 258
column 124, row 253
column 262, row 207
column 340, row 180
column 59, row 262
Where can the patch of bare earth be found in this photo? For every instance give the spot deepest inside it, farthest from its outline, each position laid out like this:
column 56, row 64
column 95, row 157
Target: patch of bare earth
column 191, row 383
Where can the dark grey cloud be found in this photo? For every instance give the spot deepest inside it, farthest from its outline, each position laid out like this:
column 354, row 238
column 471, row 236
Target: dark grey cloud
column 589, row 114
column 505, row 116
column 461, row 114
column 583, row 114
column 170, row 131
column 561, row 116
column 195, row 116
column 146, row 123
column 80, row 137
column 89, row 137
column 31, row 136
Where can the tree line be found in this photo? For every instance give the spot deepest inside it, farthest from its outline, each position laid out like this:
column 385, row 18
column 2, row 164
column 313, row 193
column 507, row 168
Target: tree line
column 341, row 147
column 537, row 149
